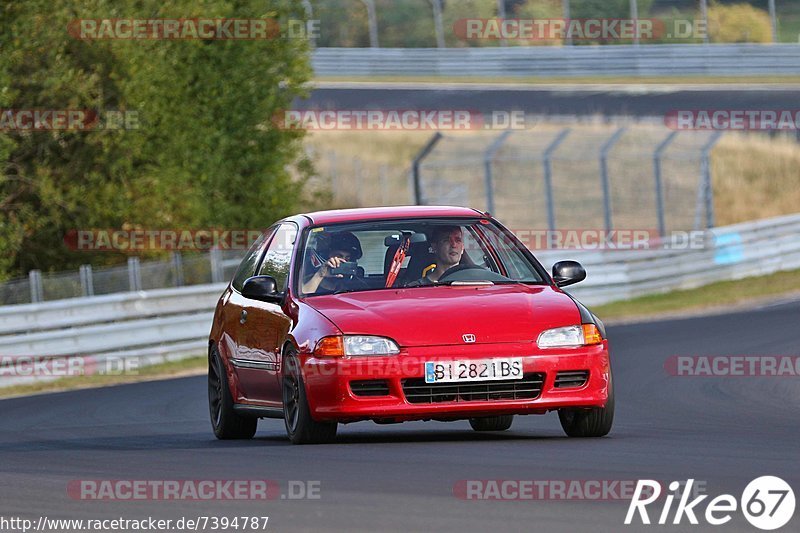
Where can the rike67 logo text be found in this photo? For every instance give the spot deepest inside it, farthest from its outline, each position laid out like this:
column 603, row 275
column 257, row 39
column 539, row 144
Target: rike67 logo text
column 767, row 503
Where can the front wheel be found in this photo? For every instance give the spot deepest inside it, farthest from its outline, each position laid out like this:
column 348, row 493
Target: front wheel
column 594, row 422
column 492, row 423
column 300, row 427
column 227, row 424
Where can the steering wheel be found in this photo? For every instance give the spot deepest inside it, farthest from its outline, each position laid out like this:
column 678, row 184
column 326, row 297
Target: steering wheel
column 457, row 268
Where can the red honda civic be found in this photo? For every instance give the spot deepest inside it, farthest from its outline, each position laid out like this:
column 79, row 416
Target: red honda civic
column 402, row 313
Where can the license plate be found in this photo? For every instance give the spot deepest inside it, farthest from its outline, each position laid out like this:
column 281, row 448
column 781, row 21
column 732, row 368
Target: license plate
column 473, row 370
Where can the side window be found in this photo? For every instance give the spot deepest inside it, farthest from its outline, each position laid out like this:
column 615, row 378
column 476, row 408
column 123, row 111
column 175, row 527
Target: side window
column 279, row 255
column 247, row 267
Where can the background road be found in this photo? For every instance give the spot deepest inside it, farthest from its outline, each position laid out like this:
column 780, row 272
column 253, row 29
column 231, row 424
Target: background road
column 579, row 100
column 725, row 431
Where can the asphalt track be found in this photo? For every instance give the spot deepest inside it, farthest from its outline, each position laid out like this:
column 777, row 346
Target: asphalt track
column 569, row 100
column 724, row 431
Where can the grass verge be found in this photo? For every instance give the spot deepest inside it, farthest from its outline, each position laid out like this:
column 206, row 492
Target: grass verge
column 723, row 294
column 171, row 369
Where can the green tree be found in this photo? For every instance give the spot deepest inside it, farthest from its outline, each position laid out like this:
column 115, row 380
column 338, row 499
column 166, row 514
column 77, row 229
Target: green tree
column 205, row 151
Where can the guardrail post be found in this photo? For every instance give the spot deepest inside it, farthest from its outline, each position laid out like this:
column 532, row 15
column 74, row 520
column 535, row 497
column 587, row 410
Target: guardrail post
column 416, row 163
column 35, row 281
column 177, row 268
column 215, row 257
column 488, row 157
column 604, row 150
column 662, row 226
column 134, row 274
column 87, row 281
column 547, row 161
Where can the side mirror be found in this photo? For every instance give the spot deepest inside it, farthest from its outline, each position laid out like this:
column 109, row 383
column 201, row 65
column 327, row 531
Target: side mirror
column 568, row 273
column 262, row 288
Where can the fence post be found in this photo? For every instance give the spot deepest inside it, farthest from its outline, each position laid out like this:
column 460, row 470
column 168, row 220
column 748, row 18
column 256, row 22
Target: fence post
column 705, row 168
column 634, row 8
column 565, row 14
column 87, row 282
column 416, row 162
column 134, row 274
column 488, row 157
column 437, row 22
column 604, row 150
column 501, row 14
column 383, row 172
column 35, row 281
column 704, row 17
column 334, row 173
column 309, row 16
column 373, row 23
column 773, row 20
column 177, row 268
column 215, row 258
column 662, row 226
column 548, row 177
column 359, row 179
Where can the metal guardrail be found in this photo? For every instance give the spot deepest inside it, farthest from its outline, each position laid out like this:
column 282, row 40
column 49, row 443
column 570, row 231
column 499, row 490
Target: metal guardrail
column 167, row 324
column 732, row 252
column 566, row 61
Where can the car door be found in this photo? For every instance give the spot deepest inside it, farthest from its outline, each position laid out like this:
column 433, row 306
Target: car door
column 234, row 302
column 265, row 325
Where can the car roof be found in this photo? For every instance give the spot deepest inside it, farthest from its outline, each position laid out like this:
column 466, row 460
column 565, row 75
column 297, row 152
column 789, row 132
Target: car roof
column 381, row 213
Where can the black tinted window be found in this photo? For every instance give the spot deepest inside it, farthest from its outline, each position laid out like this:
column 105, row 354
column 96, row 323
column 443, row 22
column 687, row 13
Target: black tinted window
column 279, row 255
column 247, row 267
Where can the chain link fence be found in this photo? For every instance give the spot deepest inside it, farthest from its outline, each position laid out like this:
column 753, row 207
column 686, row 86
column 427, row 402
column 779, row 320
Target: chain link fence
column 588, row 178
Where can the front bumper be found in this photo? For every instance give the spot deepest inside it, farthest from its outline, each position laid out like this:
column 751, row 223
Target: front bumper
column 331, row 398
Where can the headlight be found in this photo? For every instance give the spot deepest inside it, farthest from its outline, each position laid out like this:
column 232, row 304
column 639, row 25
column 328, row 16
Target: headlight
column 582, row 335
column 364, row 345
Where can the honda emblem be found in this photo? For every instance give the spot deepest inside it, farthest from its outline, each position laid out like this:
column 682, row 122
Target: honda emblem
column 468, row 337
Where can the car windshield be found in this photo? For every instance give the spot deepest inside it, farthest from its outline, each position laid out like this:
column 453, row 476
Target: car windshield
column 411, row 253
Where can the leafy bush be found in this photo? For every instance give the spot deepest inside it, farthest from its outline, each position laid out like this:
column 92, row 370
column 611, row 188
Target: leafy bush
column 739, row 23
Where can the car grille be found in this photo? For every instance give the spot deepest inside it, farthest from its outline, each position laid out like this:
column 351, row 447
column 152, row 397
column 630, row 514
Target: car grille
column 527, row 388
column 370, row 387
column 576, row 378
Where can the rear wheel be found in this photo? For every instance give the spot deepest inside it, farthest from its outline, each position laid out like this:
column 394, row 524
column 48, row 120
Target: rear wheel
column 300, row 427
column 492, row 423
column 595, row 422
column 227, row 424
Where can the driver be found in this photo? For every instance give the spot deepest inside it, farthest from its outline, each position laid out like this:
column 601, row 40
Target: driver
column 338, row 248
column 448, row 247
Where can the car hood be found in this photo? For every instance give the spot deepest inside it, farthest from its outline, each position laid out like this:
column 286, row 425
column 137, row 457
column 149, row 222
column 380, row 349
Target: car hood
column 430, row 316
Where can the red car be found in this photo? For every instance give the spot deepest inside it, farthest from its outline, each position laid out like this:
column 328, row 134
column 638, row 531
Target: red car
column 402, row 313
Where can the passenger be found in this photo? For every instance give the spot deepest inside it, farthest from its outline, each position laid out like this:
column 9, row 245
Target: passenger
column 337, row 248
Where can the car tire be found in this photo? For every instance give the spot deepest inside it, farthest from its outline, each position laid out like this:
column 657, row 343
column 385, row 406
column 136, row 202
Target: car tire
column 595, row 422
column 226, row 422
column 301, row 428
column 492, row 423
